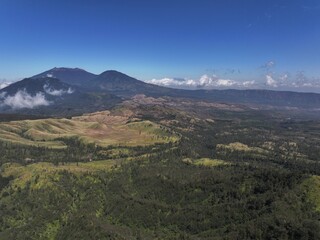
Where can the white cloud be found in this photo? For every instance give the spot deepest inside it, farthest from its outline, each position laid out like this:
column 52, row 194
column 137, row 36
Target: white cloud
column 172, row 82
column 271, row 82
column 55, row 92
column 285, row 81
column 24, row 100
column 214, row 81
column 307, row 85
column 249, row 83
column 4, row 84
column 204, row 82
column 70, row 91
column 225, row 83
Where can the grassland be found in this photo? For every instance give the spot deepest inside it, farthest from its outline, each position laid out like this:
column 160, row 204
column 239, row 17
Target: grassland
column 312, row 188
column 100, row 128
column 238, row 146
column 208, row 162
column 43, row 174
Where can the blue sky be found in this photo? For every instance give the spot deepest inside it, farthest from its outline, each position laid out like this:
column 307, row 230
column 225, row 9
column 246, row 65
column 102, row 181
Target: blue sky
column 152, row 40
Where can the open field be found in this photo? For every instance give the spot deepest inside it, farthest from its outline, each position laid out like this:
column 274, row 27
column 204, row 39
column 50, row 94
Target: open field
column 207, row 162
column 100, row 128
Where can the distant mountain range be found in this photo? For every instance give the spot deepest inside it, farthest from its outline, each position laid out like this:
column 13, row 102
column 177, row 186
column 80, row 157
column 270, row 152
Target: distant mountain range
column 69, row 91
column 110, row 81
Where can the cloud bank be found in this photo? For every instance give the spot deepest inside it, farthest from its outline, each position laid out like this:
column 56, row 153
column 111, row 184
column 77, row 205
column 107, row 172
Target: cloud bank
column 24, row 100
column 286, row 81
column 204, row 82
column 269, row 79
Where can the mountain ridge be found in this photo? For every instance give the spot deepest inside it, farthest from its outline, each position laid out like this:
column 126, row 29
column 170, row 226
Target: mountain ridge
column 74, row 82
column 74, row 76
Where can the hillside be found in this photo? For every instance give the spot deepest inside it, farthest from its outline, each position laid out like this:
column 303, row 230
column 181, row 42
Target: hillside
column 101, row 128
column 52, row 97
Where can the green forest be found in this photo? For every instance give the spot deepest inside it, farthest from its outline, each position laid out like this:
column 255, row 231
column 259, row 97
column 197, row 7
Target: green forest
column 208, row 173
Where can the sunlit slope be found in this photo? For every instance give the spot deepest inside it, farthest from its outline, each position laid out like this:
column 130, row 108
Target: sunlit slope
column 43, row 174
column 312, row 190
column 101, row 128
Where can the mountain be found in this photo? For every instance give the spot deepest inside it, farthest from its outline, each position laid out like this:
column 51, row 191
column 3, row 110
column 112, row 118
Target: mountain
column 50, row 96
column 116, row 81
column 89, row 92
column 126, row 86
column 49, row 86
column 73, row 76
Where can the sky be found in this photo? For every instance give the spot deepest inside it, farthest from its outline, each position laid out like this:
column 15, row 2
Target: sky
column 186, row 44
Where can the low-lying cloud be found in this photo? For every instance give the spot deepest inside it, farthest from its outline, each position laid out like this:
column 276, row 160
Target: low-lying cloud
column 290, row 82
column 269, row 80
column 56, row 92
column 4, row 84
column 204, row 82
column 22, row 99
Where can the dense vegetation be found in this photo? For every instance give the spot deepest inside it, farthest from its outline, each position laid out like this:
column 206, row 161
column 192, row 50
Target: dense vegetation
column 233, row 174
